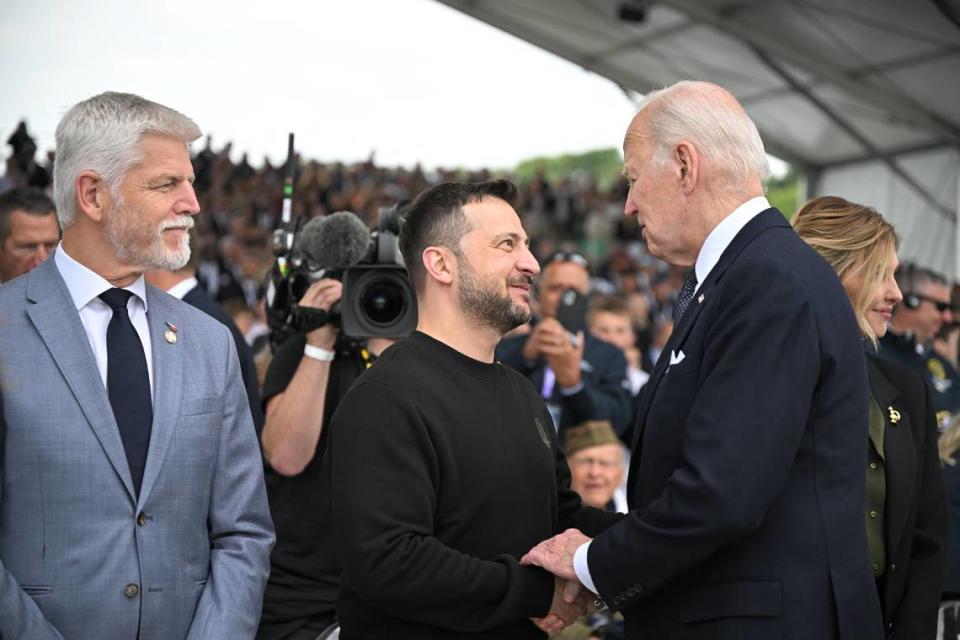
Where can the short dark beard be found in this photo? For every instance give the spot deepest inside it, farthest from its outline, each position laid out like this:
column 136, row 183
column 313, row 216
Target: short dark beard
column 486, row 306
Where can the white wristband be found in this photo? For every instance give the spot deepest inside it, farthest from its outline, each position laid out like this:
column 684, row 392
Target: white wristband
column 317, row 353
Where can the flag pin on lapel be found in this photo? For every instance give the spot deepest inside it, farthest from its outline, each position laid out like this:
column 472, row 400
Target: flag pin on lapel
column 700, row 299
column 170, row 335
column 894, row 415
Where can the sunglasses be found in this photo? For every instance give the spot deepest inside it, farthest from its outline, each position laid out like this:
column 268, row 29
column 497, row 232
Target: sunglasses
column 939, row 304
column 567, row 256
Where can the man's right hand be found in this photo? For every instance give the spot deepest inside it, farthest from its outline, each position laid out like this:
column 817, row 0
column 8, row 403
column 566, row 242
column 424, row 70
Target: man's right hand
column 546, row 337
column 323, row 294
column 563, row 613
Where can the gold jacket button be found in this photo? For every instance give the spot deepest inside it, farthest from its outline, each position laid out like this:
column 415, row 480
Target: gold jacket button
column 141, row 518
column 131, row 590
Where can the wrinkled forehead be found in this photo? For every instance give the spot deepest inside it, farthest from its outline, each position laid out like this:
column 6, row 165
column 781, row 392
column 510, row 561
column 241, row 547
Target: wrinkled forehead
column 636, row 136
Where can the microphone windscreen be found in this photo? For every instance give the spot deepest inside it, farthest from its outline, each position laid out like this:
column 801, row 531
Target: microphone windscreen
column 336, row 241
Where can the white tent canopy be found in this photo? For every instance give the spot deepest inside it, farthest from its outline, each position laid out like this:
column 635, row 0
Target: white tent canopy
column 861, row 96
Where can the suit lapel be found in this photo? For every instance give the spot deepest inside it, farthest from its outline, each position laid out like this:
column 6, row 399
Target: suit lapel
column 898, row 453
column 56, row 320
column 168, row 364
column 767, row 219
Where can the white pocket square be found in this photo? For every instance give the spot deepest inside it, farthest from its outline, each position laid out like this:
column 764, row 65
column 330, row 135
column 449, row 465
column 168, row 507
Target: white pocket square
column 676, row 358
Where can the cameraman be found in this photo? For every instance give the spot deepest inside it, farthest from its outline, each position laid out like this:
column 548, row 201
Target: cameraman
column 305, row 381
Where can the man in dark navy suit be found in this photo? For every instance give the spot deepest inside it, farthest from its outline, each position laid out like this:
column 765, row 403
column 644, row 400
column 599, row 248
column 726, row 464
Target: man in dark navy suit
column 581, row 378
column 746, row 482
column 183, row 284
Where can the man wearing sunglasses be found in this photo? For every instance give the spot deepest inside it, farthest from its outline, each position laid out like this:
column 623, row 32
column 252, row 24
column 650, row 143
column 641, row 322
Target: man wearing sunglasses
column 914, row 324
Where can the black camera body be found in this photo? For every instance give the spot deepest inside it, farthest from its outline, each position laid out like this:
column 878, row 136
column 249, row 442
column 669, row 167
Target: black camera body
column 378, row 298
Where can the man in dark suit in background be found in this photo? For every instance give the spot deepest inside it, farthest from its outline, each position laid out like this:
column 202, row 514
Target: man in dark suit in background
column 28, row 230
column 183, row 284
column 746, row 482
column 580, row 380
column 915, row 323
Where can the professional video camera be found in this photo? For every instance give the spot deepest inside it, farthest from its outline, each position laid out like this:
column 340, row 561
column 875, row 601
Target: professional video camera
column 378, row 299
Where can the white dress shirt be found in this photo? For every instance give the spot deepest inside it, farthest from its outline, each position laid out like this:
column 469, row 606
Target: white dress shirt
column 183, row 287
column 713, row 247
column 85, row 286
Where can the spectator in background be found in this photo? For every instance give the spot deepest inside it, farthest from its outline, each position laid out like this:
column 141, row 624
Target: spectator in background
column 582, row 379
column 22, row 169
column 926, row 307
column 29, row 231
column 595, row 457
column 609, row 319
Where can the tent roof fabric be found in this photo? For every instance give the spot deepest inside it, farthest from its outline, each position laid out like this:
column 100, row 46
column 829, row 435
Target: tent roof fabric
column 829, row 82
column 860, row 95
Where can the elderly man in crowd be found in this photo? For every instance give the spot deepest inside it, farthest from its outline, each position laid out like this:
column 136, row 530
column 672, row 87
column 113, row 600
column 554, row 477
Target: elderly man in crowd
column 596, row 461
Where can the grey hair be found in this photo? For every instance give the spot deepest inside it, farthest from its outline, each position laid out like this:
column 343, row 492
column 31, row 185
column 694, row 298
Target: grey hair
column 102, row 134
column 711, row 119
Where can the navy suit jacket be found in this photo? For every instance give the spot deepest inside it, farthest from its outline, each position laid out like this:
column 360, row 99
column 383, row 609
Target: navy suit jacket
column 200, row 299
column 746, row 483
column 605, row 394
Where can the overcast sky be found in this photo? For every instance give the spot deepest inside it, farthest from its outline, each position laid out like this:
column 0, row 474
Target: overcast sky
column 412, row 80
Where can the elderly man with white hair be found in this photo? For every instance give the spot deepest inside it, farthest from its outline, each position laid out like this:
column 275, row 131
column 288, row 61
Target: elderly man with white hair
column 132, row 502
column 746, row 482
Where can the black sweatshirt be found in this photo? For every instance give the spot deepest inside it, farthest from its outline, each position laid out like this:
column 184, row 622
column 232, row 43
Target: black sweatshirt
column 445, row 471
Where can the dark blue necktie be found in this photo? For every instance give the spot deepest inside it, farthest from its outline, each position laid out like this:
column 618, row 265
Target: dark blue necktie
column 128, row 383
column 685, row 295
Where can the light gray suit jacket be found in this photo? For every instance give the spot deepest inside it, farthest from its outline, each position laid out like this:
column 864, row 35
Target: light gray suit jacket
column 81, row 557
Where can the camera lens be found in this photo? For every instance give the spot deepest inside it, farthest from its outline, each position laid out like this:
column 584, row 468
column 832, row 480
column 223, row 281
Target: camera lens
column 382, row 302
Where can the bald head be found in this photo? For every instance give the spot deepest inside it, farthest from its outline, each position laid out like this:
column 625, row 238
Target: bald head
column 708, row 117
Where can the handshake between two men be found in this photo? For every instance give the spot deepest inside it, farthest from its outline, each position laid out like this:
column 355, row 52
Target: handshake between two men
column 571, row 599
column 746, row 493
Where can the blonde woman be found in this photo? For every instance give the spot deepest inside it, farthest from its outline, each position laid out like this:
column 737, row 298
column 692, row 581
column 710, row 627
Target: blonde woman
column 904, row 511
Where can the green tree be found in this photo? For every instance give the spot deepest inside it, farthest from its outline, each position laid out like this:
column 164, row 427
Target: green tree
column 785, row 192
column 603, row 165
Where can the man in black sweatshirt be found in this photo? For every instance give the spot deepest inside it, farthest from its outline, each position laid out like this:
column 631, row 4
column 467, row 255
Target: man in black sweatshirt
column 445, row 463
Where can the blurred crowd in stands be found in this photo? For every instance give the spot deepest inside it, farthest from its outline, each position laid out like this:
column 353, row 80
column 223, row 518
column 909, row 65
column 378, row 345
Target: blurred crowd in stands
column 241, row 206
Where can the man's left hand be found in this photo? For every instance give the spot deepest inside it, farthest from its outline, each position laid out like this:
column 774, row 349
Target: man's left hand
column 556, row 554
